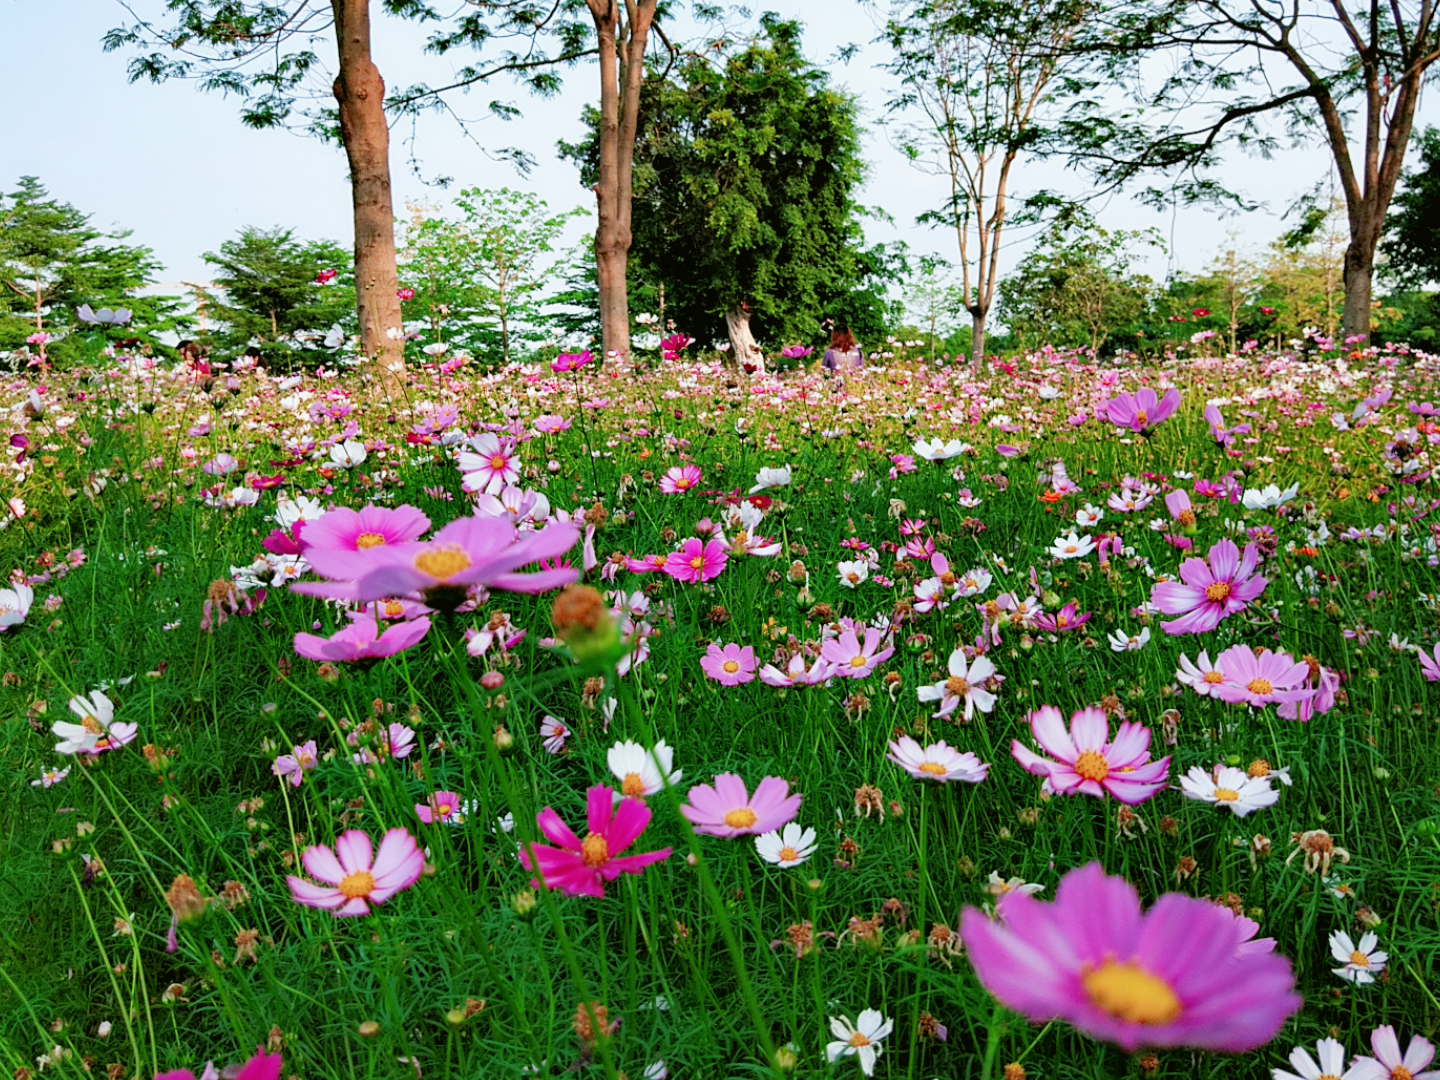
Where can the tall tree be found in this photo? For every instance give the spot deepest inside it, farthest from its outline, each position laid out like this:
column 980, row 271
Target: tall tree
column 1347, row 74
column 746, row 164
column 974, row 79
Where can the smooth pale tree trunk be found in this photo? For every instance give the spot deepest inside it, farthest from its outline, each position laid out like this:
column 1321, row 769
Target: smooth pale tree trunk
column 622, row 30
column 978, row 318
column 742, row 343
column 360, row 92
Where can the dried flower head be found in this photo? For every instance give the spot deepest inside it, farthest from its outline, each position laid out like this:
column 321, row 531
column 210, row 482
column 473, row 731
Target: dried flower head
column 1320, row 851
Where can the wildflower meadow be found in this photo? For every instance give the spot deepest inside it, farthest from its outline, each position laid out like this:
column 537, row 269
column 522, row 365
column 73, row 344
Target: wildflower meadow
column 645, row 717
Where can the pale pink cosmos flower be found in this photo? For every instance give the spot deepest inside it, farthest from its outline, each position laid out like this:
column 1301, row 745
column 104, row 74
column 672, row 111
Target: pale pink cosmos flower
column 727, row 810
column 297, row 763
column 1331, row 1064
column 1178, row 503
column 582, row 867
column 729, row 666
column 1201, row 675
column 554, row 732
column 938, row 761
column 1389, row 1064
column 1142, row 411
column 1169, row 977
column 966, row 683
column 515, row 504
column 1324, row 684
column 850, row 658
column 442, row 807
column 1259, row 679
column 1210, row 592
column 50, row 777
column 358, row 642
column 796, row 673
column 15, row 603
column 680, row 479
column 354, row 875
column 1085, row 762
column 1430, row 664
column 489, row 464
column 393, row 741
column 697, row 561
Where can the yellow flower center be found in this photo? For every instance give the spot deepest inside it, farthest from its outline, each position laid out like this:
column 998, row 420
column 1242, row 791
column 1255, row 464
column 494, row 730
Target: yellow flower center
column 594, row 851
column 1400, row 1072
column 1070, row 549
column 1359, row 959
column 683, row 483
column 932, row 768
column 365, row 541
column 1226, row 795
column 789, row 854
column 1214, row 678
column 658, row 561
column 697, row 563
column 853, row 578
column 730, row 667
column 1217, row 592
column 394, row 609
column 857, row 1040
column 1142, row 419
column 92, row 725
column 1062, row 621
column 957, row 686
column 1259, row 687
column 1186, row 518
column 741, row 819
column 443, row 810
column 947, row 579
column 498, row 462
column 857, row 661
column 1129, row 992
column 1259, row 768
column 1092, row 766
column 632, row 786
column 442, row 563
column 360, row 883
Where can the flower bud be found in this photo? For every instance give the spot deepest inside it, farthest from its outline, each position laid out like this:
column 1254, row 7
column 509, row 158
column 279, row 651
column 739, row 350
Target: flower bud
column 584, row 622
column 524, row 904
column 368, row 1029
column 504, row 741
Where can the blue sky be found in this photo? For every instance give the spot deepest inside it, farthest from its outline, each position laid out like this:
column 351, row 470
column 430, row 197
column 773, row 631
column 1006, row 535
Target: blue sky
column 176, row 166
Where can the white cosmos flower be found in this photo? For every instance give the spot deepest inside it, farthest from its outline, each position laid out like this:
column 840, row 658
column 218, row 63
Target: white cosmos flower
column 860, row 1039
column 853, row 574
column 997, row 886
column 966, row 683
column 1072, row 546
column 1049, row 393
column 1230, row 789
column 771, row 478
column 348, row 454
column 1362, row 961
column 15, row 605
column 1119, row 642
column 1088, row 516
column 787, row 847
column 1268, row 497
column 938, row 451
column 96, row 714
column 640, row 771
column 938, row 761
column 301, row 508
column 1332, row 1064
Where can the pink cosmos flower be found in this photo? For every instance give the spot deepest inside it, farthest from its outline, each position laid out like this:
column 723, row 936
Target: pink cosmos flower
column 1208, row 594
column 1201, row 675
column 1142, row 411
column 1064, row 620
column 262, row 1066
column 395, row 741
column 697, row 561
column 442, row 807
column 571, row 361
column 1169, row 977
column 1430, row 664
column 796, row 673
column 1178, row 503
column 338, row 543
column 1086, row 763
column 297, row 763
column 1258, row 679
column 358, row 643
column 938, row 761
column 354, row 876
column 727, row 810
column 554, row 732
column 1323, row 685
column 1389, row 1064
column 650, row 564
column 582, row 867
column 550, row 424
column 490, row 464
column 849, row 658
column 680, row 480
column 467, row 552
column 729, row 666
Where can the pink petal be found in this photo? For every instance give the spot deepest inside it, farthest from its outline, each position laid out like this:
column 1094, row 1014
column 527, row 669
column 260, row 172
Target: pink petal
column 1048, row 728
column 1224, row 560
column 321, row 864
column 312, row 895
column 630, row 820
column 1089, row 730
column 354, row 851
column 399, row 862
column 556, row 831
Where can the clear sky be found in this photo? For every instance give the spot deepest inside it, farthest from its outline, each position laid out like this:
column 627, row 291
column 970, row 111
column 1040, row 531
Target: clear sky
column 177, row 167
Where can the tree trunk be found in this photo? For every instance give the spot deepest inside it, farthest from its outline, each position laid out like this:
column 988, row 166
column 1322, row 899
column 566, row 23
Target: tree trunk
column 1359, row 267
column 742, row 342
column 978, row 317
column 360, row 92
column 622, row 69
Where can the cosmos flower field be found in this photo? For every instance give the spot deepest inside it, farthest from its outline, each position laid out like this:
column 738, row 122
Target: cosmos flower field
column 654, row 719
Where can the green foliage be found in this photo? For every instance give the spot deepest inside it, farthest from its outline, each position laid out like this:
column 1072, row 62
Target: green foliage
column 268, row 292
column 746, row 165
column 52, row 260
column 1412, row 248
column 479, row 279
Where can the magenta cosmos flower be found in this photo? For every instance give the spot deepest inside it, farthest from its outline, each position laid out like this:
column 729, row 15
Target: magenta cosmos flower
column 1086, row 763
column 443, row 807
column 1209, row 593
column 1258, row 679
column 470, row 551
column 727, row 810
column 358, row 642
column 729, row 666
column 680, row 479
column 582, row 867
column 339, row 542
column 262, row 1066
column 696, row 561
column 850, row 658
column 1142, row 411
column 354, row 875
column 1172, row 976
